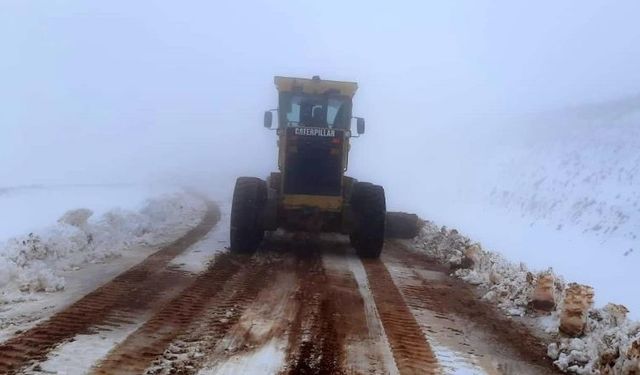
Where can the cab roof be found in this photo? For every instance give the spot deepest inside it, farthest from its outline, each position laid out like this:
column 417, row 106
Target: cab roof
column 315, row 85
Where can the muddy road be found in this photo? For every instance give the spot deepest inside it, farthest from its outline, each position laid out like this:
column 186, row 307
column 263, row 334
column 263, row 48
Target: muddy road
column 300, row 305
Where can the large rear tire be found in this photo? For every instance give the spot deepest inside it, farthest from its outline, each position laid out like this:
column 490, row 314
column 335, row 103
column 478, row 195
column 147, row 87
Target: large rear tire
column 247, row 229
column 369, row 211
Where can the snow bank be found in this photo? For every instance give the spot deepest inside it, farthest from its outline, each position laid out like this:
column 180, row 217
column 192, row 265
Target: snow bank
column 31, row 263
column 610, row 345
column 27, row 209
column 509, row 285
column 609, row 341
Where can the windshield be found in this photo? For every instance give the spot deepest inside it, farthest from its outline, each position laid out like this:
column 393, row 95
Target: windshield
column 320, row 111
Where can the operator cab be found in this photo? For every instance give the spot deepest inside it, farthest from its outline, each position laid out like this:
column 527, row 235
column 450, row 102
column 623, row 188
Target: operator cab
column 314, row 103
column 327, row 110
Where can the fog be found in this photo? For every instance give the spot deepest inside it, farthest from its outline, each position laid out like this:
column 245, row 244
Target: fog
column 139, row 92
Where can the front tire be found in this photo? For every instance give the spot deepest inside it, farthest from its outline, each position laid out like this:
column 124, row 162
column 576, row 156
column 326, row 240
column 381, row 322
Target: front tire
column 369, row 211
column 247, row 229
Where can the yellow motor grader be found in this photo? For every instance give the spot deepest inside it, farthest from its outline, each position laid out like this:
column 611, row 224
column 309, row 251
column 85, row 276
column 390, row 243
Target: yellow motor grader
column 310, row 192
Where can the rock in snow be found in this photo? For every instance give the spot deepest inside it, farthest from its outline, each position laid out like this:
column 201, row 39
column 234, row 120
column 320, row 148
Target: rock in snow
column 543, row 296
column 578, row 299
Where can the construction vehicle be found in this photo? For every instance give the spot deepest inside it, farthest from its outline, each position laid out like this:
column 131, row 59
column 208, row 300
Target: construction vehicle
column 310, row 193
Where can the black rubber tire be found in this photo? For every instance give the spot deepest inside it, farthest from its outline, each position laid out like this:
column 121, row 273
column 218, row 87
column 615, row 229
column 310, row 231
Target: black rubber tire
column 247, row 230
column 369, row 208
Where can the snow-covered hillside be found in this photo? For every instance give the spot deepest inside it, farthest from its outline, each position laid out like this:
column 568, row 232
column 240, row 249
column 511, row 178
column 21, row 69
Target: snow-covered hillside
column 561, row 190
column 583, row 175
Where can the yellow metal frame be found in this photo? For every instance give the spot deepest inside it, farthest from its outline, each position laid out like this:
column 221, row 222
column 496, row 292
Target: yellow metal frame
column 323, row 202
column 315, row 86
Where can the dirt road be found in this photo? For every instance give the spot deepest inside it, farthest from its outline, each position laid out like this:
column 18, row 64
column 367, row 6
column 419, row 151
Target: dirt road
column 300, row 305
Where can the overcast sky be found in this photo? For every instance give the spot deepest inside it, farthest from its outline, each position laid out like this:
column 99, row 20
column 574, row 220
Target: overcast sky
column 129, row 91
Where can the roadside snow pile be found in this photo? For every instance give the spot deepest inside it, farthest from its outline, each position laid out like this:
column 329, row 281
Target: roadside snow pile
column 610, row 345
column 32, row 262
column 587, row 340
column 509, row 285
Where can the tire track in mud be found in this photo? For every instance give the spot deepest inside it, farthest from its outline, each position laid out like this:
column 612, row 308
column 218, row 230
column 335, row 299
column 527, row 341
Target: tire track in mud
column 135, row 289
column 410, row 348
column 314, row 343
column 178, row 337
column 321, row 313
column 262, row 327
column 430, row 288
column 365, row 347
column 329, row 333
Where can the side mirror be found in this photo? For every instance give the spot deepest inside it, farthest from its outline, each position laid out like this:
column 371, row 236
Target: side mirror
column 360, row 125
column 268, row 119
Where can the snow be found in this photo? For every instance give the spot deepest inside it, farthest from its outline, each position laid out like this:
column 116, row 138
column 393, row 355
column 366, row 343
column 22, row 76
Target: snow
column 27, row 208
column 267, row 359
column 79, row 355
column 573, row 199
column 35, row 307
column 583, row 177
column 570, row 252
column 374, row 324
column 557, row 190
column 509, row 285
column 454, row 363
column 35, row 265
column 611, row 341
column 606, row 346
column 197, row 257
